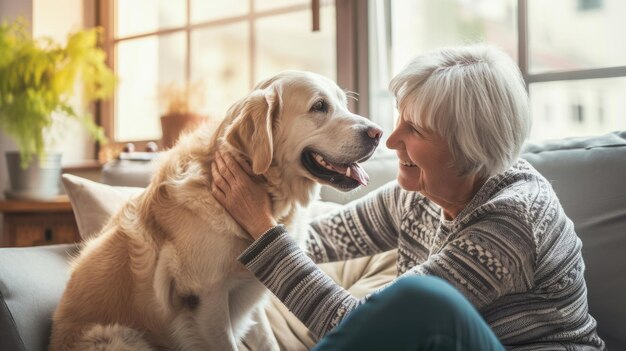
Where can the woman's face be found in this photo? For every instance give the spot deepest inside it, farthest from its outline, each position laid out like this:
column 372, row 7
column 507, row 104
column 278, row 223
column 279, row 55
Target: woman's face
column 425, row 159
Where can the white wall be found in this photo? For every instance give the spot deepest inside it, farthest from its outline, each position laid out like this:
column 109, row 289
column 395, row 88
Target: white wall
column 9, row 10
column 55, row 19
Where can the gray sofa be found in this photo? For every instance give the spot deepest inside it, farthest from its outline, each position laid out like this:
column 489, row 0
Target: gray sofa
column 588, row 174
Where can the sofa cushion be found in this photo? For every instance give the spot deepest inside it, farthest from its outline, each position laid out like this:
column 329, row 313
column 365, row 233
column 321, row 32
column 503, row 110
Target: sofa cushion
column 93, row 203
column 31, row 283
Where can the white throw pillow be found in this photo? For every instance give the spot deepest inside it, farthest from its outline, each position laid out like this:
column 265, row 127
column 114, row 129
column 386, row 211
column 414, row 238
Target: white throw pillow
column 94, row 203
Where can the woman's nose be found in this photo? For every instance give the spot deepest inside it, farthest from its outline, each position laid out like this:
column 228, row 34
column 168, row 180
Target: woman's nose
column 392, row 141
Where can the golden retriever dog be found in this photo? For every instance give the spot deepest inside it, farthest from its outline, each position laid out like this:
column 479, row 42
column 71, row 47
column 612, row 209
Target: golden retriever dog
column 163, row 273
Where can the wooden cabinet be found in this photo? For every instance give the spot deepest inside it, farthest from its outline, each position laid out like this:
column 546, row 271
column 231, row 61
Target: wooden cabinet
column 31, row 223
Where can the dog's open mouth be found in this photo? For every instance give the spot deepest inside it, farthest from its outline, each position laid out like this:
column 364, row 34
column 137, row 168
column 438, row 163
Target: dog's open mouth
column 343, row 176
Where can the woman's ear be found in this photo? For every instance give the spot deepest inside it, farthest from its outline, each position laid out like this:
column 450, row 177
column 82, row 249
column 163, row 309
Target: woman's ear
column 251, row 132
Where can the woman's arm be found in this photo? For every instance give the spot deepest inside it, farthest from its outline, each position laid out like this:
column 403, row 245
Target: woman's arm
column 364, row 227
column 487, row 260
column 309, row 293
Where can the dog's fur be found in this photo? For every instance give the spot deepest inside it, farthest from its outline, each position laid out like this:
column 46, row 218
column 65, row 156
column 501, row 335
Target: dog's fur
column 163, row 273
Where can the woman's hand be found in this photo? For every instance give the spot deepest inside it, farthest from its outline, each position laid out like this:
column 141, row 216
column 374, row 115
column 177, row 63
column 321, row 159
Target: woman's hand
column 246, row 201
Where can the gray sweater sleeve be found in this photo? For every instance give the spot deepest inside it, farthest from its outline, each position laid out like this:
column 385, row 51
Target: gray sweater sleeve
column 485, row 261
column 309, row 293
column 362, row 228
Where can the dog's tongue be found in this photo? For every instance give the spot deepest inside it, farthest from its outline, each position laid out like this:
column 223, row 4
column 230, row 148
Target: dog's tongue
column 357, row 173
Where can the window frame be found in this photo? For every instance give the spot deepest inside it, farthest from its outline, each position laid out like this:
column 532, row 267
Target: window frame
column 554, row 76
column 353, row 51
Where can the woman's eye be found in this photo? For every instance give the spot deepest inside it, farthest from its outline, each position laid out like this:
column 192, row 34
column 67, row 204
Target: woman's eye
column 319, row 106
column 415, row 130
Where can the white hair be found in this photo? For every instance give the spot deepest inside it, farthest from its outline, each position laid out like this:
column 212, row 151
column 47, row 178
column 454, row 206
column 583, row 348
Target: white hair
column 472, row 96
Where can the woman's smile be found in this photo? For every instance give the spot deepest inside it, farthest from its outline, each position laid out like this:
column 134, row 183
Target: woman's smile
column 407, row 164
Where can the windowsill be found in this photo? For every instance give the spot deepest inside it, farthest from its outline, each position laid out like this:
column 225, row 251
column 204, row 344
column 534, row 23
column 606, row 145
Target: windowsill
column 88, row 169
column 83, row 166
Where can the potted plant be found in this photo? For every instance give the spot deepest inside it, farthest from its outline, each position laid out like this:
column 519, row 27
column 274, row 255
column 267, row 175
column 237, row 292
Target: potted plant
column 38, row 78
column 180, row 105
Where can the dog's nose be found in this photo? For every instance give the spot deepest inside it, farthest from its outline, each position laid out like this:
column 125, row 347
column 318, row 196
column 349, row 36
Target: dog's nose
column 374, row 133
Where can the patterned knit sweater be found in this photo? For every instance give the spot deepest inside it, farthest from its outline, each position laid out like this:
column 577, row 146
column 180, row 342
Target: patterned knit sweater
column 511, row 251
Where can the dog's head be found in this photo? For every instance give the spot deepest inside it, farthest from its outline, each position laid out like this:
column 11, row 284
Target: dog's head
column 298, row 123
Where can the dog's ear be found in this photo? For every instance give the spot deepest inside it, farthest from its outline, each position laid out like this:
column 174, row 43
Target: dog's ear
column 251, row 131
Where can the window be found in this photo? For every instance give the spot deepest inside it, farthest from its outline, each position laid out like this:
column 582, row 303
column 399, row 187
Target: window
column 401, row 29
column 224, row 46
column 571, row 59
column 568, row 52
column 575, row 60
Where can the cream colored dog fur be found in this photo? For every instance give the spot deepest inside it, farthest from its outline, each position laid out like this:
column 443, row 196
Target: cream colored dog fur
column 163, row 273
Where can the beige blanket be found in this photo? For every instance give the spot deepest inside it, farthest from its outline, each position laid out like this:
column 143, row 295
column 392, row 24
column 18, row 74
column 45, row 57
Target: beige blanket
column 359, row 276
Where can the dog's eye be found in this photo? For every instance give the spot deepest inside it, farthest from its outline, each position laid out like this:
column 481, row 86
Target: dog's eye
column 320, row 106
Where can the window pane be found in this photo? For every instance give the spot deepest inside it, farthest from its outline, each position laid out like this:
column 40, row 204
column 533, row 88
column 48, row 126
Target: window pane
column 577, row 108
column 207, row 10
column 298, row 47
column 143, row 65
column 411, row 27
column 568, row 35
column 143, row 16
column 264, row 5
column 421, row 25
column 221, row 61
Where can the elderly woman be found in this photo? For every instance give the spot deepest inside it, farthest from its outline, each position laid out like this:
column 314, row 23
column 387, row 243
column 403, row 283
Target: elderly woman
column 487, row 259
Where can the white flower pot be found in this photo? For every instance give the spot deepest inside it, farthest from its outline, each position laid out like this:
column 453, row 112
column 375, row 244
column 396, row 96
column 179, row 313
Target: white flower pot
column 40, row 181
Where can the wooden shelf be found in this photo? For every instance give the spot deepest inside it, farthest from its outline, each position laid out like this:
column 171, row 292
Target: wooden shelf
column 59, row 203
column 30, row 222
column 87, row 165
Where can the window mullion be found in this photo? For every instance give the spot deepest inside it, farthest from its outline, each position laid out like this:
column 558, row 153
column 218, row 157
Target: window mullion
column 362, row 50
column 352, row 51
column 252, row 42
column 596, row 73
column 522, row 42
column 107, row 20
column 188, row 43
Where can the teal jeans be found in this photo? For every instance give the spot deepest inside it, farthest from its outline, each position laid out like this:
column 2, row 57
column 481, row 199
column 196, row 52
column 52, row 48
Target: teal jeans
column 415, row 313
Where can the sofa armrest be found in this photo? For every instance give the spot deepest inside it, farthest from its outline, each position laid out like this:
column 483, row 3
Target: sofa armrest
column 32, row 280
